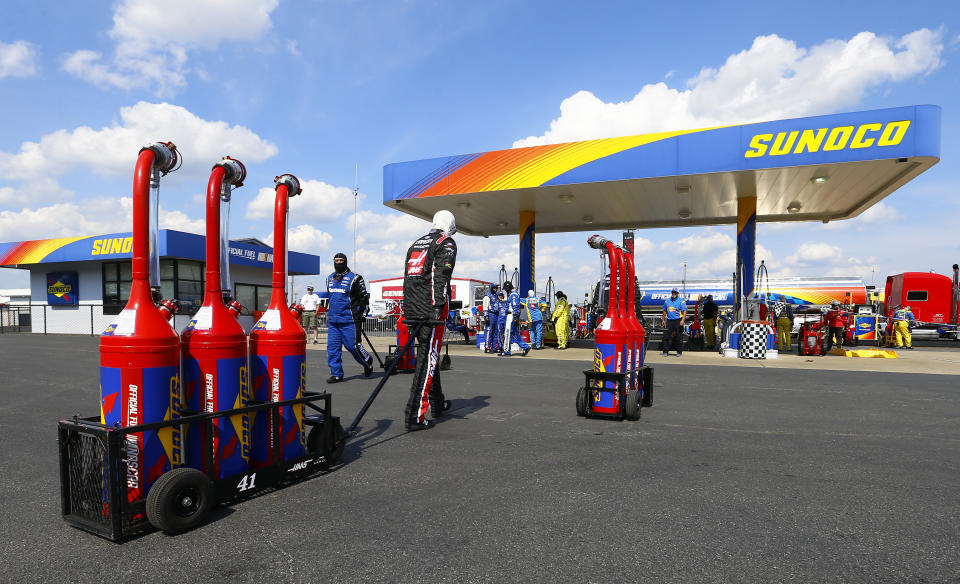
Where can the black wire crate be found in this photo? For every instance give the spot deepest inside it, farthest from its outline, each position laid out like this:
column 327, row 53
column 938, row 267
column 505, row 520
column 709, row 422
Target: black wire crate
column 93, row 469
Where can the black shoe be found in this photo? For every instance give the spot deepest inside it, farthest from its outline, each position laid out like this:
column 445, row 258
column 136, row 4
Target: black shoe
column 910, row 347
column 436, row 412
column 664, row 354
column 525, row 351
column 315, row 342
column 504, row 354
column 334, row 379
column 426, row 425
column 679, row 354
column 562, row 348
column 368, row 368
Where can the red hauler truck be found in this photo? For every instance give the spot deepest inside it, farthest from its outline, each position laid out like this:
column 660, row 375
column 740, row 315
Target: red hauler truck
column 933, row 298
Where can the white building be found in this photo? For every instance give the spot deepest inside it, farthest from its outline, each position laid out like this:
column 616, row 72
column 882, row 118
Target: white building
column 79, row 284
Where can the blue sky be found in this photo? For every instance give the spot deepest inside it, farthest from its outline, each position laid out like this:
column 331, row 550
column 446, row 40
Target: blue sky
column 314, row 88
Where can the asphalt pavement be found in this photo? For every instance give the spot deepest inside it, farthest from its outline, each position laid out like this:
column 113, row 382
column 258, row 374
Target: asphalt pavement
column 737, row 474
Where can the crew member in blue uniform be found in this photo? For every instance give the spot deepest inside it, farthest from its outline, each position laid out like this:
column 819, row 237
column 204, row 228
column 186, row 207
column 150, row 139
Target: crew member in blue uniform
column 535, row 318
column 501, row 313
column 511, row 329
column 491, row 316
column 674, row 313
column 348, row 301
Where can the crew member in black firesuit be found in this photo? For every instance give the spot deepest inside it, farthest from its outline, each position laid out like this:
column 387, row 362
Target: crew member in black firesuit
column 426, row 285
column 710, row 310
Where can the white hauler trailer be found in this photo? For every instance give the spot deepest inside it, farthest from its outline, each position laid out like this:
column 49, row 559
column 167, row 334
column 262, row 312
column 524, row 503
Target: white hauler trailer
column 386, row 292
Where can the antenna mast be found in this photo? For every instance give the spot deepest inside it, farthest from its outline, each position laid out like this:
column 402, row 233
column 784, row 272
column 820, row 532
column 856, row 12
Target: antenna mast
column 356, row 190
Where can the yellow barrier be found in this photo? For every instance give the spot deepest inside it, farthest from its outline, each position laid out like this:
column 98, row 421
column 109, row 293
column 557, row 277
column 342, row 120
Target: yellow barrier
column 865, row 353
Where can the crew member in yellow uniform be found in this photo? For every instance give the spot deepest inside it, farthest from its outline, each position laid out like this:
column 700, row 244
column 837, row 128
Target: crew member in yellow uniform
column 902, row 321
column 561, row 319
column 784, row 315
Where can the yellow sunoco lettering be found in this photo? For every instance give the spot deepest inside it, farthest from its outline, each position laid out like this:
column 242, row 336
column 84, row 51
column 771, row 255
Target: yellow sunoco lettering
column 827, row 139
column 127, row 244
column 811, row 140
column 858, row 140
column 96, row 247
column 115, row 244
column 838, row 138
column 779, row 147
column 893, row 133
column 757, row 145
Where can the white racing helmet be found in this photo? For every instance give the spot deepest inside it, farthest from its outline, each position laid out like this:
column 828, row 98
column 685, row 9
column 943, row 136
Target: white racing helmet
column 531, row 293
column 445, row 222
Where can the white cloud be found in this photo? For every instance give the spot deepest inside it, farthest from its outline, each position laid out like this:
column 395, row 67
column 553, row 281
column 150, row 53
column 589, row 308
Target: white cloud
column 112, row 150
column 17, row 59
column 815, row 252
column 88, row 217
column 318, row 201
column 772, row 79
column 180, row 221
column 87, row 65
column 880, row 213
column 38, row 190
column 876, row 215
column 386, row 227
column 700, row 243
column 306, row 239
column 152, row 40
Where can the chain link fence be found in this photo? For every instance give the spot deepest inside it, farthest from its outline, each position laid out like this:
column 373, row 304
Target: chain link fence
column 379, row 326
column 89, row 319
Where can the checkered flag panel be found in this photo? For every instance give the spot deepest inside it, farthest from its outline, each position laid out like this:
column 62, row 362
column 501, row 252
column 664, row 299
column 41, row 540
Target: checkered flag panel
column 753, row 340
column 778, row 309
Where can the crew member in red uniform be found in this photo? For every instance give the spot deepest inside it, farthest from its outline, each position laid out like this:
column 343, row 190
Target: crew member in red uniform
column 837, row 321
column 426, row 285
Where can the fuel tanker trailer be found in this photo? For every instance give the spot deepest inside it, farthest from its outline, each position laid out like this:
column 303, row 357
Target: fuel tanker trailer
column 278, row 351
column 214, row 362
column 140, row 350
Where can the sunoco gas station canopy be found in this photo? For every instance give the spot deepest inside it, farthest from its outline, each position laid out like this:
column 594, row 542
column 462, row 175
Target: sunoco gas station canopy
column 820, row 168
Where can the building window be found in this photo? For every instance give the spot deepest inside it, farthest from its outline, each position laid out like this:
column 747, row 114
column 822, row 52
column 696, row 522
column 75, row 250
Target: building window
column 917, row 296
column 188, row 284
column 116, row 286
column 179, row 279
column 252, row 297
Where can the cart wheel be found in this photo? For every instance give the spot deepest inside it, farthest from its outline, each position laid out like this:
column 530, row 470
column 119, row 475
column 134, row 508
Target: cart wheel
column 633, row 406
column 582, row 401
column 445, row 363
column 388, row 361
column 180, row 500
column 317, row 444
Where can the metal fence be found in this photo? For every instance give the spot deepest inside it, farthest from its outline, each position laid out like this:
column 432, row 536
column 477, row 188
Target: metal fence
column 89, row 319
column 385, row 326
column 15, row 319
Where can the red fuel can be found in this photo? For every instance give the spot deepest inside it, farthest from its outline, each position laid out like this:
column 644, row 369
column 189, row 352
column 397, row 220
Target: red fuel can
column 214, row 363
column 611, row 337
column 408, row 361
column 140, row 351
column 278, row 351
column 638, row 335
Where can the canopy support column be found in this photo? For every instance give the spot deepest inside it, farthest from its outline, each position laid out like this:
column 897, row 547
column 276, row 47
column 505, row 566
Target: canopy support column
column 746, row 245
column 528, row 232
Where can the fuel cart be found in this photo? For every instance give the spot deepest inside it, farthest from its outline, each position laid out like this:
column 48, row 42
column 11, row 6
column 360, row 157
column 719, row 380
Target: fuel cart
column 94, row 463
